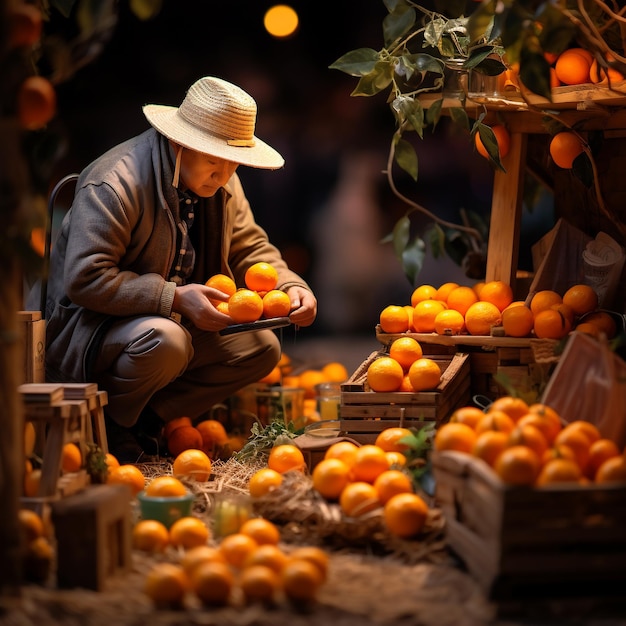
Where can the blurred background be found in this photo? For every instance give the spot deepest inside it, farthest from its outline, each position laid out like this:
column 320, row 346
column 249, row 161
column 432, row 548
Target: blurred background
column 330, row 206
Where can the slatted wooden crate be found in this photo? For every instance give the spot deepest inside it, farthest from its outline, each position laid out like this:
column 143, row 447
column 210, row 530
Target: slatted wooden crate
column 525, row 544
column 364, row 413
column 525, row 363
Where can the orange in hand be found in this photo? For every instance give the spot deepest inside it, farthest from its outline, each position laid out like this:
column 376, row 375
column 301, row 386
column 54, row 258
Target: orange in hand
column 276, row 303
column 245, row 306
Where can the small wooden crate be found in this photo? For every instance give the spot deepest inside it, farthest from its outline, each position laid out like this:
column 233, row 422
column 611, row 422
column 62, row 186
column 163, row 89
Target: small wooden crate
column 364, row 413
column 529, row 544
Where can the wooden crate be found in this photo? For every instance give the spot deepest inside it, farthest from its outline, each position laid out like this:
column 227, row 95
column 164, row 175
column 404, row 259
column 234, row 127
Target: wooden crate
column 34, row 341
column 364, row 413
column 529, row 544
column 525, row 363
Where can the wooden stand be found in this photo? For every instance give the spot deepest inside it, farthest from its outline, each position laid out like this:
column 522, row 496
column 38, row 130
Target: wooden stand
column 93, row 534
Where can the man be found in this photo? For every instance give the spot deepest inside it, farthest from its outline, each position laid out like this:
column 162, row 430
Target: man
column 152, row 219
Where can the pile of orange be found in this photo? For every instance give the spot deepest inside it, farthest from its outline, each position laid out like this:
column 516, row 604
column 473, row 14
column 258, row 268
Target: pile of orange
column 532, row 445
column 209, row 436
column 258, row 299
column 403, row 369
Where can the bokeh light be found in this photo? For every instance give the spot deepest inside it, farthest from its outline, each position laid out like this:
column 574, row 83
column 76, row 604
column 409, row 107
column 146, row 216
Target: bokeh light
column 281, row 21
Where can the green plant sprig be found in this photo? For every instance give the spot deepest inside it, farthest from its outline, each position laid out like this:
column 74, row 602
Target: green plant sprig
column 263, row 438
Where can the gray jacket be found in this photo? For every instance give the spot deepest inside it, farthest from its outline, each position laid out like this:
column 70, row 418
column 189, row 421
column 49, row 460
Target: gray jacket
column 116, row 246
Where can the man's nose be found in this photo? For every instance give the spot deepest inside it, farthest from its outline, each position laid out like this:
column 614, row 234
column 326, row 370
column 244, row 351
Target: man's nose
column 223, row 173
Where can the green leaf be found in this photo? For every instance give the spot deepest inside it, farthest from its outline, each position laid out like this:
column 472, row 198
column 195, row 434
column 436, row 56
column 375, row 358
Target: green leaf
column 459, row 116
column 400, row 235
column 581, row 168
column 455, row 245
column 374, row 82
column 490, row 143
column 413, row 259
column 96, row 15
column 406, row 157
column 436, row 241
column 480, row 22
column 398, row 23
column 357, row 62
column 433, row 113
column 407, row 109
column 146, row 9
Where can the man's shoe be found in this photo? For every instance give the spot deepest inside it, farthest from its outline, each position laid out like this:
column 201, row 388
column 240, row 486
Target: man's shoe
column 122, row 443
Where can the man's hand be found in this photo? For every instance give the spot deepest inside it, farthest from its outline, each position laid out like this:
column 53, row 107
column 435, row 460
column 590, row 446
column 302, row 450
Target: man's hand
column 303, row 306
column 193, row 302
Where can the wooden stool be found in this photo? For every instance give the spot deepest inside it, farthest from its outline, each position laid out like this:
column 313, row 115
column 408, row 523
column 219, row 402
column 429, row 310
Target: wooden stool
column 93, row 530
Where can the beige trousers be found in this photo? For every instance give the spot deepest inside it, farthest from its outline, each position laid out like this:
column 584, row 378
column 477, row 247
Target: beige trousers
column 175, row 369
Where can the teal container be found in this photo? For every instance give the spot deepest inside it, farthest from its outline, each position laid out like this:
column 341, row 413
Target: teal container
column 165, row 510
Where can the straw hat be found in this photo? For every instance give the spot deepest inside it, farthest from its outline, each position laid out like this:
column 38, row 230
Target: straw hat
column 216, row 118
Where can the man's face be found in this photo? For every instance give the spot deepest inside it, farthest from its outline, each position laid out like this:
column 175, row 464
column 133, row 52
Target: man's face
column 204, row 174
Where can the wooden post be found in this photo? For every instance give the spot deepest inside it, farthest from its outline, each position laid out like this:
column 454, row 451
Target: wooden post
column 506, row 214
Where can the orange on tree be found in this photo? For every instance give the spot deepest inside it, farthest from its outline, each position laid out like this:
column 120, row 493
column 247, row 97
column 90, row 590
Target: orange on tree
column 518, row 465
column 502, row 137
column 166, row 584
column 245, row 306
column 601, row 72
column 481, row 317
column 384, row 374
column 405, row 515
column 394, row 319
column 423, row 292
column 497, row 292
column 573, row 66
column 286, row 457
column 461, row 298
column 261, row 276
column 188, row 532
column 150, row 535
column 424, row 315
column 581, row 299
column 183, row 438
column 518, row 321
column 449, row 322
column 390, row 439
column 213, row 582
column 192, row 464
column 165, row 486
column 390, row 482
column 330, row 476
column 358, row 497
column 489, row 444
column 369, row 462
column 564, row 148
column 455, row 436
column 129, row 475
column 262, row 530
column 276, row 303
column 405, row 350
column 424, row 374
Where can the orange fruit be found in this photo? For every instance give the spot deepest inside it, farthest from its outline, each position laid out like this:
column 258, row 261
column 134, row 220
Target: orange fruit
column 24, row 23
column 29, row 439
column 469, row 415
column 165, row 486
column 343, row 450
column 512, row 406
column 449, row 322
column 184, row 438
column 261, row 276
column 111, row 461
column 314, row 555
column 604, row 322
column 613, row 470
column 32, row 481
column 335, row 372
column 188, row 532
column 390, row 482
column 177, row 422
column 394, row 319
column 369, row 462
column 286, row 457
column 237, row 547
column 566, row 311
column 503, row 140
column 581, row 299
column 301, row 580
column 424, row 315
column 495, row 420
column 455, row 436
column 547, row 428
column 309, row 379
column 461, row 298
column 213, row 435
column 599, row 72
column 389, row 439
column 222, row 307
column 405, row 514
column 558, row 452
column 530, row 436
column 564, row 148
column 264, row 481
column 406, row 385
column 559, row 471
column 518, row 321
column 405, row 350
column 599, row 451
column 573, row 66
column 578, row 442
column 444, row 291
column 423, row 292
column 588, row 329
column 150, row 535
column 213, row 582
column 587, row 428
column 192, row 464
column 128, row 475
column 358, row 498
column 543, row 300
column 166, row 585
column 477, row 287
column 269, row 555
column 245, row 306
column 424, row 374
column 36, row 102
column 259, row 583
column 200, row 554
column 551, row 324
column 518, row 465
column 489, row 444
column 261, row 530
column 330, row 476
column 396, row 459
column 481, row 317
column 71, row 458
column 31, row 525
column 222, row 283
column 384, row 374
column 276, row 303
column 497, row 292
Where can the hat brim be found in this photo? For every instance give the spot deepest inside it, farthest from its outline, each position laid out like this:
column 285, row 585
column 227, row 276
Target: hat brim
column 168, row 121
